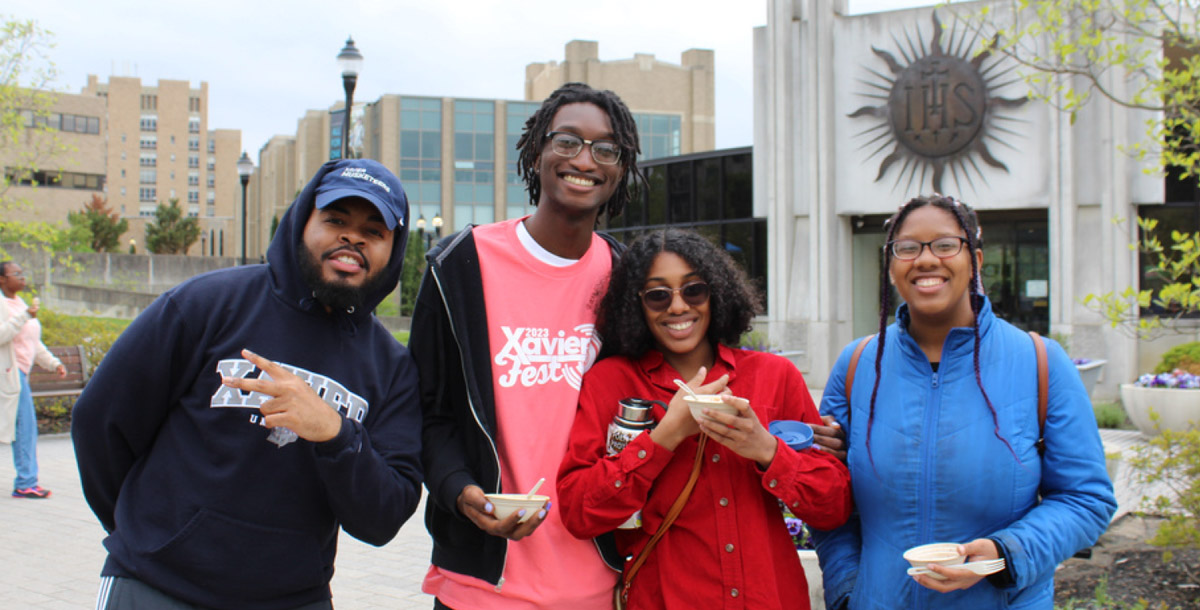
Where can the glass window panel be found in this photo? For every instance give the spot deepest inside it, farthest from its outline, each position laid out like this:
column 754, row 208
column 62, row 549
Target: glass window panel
column 739, row 190
column 464, row 146
column 484, row 193
column 431, row 163
column 464, row 121
column 463, row 176
column 488, row 108
column 431, row 191
column 431, row 104
column 483, row 146
column 656, row 208
column 516, row 195
column 431, row 121
column 679, row 177
column 68, row 123
column 431, row 144
column 660, row 124
column 463, row 193
column 675, row 124
column 410, row 144
column 409, row 163
column 410, row 119
column 515, row 124
column 431, row 175
column 485, row 214
column 511, row 145
column 410, row 175
column 708, row 189
column 462, row 216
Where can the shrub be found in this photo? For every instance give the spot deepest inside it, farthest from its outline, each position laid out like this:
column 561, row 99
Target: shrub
column 1185, row 356
column 96, row 335
column 1172, row 459
column 1111, row 415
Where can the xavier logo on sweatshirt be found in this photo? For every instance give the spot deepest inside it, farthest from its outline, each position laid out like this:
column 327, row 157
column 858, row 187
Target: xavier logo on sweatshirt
column 539, row 356
column 345, row 402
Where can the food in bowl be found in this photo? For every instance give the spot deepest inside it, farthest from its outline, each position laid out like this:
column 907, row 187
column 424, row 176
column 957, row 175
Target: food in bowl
column 711, row 402
column 504, row 505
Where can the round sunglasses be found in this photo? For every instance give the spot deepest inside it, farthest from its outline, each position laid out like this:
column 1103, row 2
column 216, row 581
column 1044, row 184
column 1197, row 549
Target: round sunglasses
column 659, row 299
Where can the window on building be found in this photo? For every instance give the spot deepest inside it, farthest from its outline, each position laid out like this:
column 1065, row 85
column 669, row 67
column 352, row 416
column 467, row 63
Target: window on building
column 148, row 176
column 149, row 123
column 474, row 162
column 212, row 198
column 212, row 146
column 212, row 164
column 193, row 125
column 193, row 179
column 193, row 104
column 147, row 193
column 212, row 180
column 149, row 101
column 193, row 196
column 659, row 134
column 54, row 179
column 1172, row 217
column 516, row 197
column 148, row 160
column 193, row 161
column 148, row 142
column 194, row 143
column 421, row 155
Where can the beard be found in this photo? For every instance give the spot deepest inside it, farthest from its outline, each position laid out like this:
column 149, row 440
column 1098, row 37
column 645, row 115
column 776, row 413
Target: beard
column 337, row 295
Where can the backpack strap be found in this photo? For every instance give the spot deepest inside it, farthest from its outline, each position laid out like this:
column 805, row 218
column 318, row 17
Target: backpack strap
column 1043, row 373
column 854, row 365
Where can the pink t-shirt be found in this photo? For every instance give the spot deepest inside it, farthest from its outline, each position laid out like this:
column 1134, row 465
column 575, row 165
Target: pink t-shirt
column 540, row 330
column 25, row 343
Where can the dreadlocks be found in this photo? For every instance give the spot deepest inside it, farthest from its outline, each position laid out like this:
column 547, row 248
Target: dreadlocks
column 624, row 134
column 969, row 223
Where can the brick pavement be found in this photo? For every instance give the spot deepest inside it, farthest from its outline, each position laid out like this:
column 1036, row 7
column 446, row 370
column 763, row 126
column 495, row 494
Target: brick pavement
column 51, row 553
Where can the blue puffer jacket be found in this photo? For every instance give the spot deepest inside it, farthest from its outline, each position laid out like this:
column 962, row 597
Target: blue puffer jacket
column 935, row 470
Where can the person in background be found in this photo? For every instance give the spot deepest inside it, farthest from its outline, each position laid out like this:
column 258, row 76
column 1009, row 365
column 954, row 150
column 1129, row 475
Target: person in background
column 249, row 413
column 942, row 437
column 20, row 348
column 502, row 334
column 675, row 305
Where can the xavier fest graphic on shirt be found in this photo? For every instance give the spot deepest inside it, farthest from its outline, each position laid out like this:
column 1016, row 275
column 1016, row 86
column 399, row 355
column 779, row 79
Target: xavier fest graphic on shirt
column 540, row 356
column 342, row 400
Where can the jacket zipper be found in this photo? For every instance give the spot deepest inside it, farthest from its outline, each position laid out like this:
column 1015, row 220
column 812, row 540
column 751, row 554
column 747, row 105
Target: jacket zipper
column 466, row 380
column 929, row 435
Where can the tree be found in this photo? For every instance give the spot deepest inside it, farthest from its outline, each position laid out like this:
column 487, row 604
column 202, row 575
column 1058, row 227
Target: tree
column 171, row 232
column 410, row 275
column 1139, row 54
column 105, row 225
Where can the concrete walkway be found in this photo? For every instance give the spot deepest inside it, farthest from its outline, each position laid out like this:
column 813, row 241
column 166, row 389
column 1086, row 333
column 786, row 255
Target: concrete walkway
column 51, row 553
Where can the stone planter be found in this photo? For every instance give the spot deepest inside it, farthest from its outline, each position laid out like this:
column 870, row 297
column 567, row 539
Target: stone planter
column 812, row 572
column 1177, row 409
column 1090, row 373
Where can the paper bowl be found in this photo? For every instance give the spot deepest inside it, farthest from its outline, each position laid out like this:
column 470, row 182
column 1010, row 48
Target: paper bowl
column 941, row 553
column 712, row 402
column 504, row 505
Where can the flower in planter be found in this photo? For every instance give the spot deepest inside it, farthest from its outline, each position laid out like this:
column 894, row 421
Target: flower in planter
column 1081, row 361
column 1178, row 378
column 799, row 531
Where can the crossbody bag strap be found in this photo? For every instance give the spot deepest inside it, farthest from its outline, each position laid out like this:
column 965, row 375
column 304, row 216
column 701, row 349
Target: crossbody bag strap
column 676, row 508
column 858, row 350
column 1043, row 373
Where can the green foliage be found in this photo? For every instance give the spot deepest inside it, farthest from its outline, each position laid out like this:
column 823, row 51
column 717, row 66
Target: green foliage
column 274, row 227
column 1069, row 50
column 105, row 225
column 170, row 232
column 1176, row 271
column 401, row 336
column 1185, row 356
column 96, row 335
column 757, row 341
column 1102, row 600
column 1111, row 415
column 1172, row 459
column 45, row 236
column 25, row 72
column 410, row 275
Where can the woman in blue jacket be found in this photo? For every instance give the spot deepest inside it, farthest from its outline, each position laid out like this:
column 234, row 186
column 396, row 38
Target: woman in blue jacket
column 941, row 437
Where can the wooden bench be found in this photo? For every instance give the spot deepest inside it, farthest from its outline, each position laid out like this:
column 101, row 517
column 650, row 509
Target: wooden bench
column 48, row 383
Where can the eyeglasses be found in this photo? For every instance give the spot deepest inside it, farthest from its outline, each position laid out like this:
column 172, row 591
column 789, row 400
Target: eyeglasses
column 570, row 145
column 942, row 247
column 659, row 299
column 17, row 274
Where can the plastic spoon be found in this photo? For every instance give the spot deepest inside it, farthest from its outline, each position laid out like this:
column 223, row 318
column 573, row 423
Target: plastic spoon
column 536, row 486
column 684, row 386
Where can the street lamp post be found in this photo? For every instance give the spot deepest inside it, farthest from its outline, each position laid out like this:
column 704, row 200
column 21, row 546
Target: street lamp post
column 421, row 232
column 437, row 225
column 350, row 61
column 245, row 167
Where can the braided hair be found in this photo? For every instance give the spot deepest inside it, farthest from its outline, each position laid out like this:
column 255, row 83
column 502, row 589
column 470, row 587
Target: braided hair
column 624, row 134
column 969, row 223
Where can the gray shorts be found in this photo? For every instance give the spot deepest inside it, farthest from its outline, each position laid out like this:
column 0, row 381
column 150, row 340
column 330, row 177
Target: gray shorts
column 117, row 593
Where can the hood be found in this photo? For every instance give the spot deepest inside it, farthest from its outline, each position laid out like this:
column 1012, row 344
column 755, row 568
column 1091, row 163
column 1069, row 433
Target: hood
column 283, row 255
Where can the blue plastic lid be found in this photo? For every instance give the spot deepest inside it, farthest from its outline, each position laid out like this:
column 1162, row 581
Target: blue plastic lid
column 797, row 434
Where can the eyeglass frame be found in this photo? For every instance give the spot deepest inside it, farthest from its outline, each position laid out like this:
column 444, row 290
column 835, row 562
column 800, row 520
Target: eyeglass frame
column 962, row 241
column 18, row 274
column 676, row 291
column 590, row 143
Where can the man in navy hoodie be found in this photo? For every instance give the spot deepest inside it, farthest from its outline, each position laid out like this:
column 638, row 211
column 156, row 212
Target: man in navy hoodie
column 249, row 412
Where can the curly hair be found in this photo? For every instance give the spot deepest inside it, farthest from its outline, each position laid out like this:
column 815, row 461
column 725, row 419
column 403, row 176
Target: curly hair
column 620, row 318
column 969, row 223
column 625, row 134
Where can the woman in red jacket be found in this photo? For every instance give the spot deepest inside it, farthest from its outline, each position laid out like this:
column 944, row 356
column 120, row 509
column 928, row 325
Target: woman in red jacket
column 673, row 307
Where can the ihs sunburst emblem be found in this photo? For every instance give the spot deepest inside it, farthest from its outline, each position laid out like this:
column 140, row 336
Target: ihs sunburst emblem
column 939, row 110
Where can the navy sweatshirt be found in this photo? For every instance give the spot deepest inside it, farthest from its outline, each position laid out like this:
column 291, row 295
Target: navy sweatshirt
column 203, row 502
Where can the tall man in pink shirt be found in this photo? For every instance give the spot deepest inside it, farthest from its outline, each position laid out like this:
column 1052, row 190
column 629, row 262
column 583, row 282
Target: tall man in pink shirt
column 502, row 333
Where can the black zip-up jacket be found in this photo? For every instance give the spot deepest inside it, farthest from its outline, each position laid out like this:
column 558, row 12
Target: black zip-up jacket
column 449, row 342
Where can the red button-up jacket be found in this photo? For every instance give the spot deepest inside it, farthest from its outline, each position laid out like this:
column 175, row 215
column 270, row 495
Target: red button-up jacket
column 729, row 548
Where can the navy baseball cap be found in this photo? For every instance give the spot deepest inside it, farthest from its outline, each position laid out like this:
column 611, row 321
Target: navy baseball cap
column 367, row 179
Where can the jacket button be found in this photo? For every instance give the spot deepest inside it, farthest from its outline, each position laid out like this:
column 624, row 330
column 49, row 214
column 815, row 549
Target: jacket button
column 716, row 458
column 616, row 483
column 772, row 484
column 729, row 548
column 724, row 501
column 733, row 593
column 642, row 454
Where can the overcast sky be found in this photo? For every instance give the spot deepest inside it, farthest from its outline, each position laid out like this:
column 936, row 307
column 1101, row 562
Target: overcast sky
column 268, row 61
